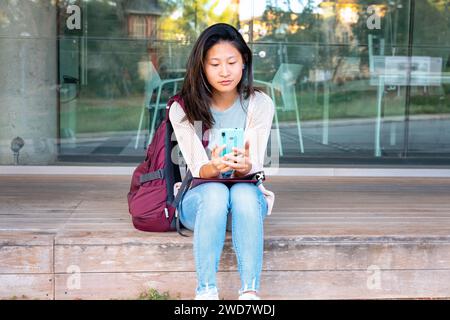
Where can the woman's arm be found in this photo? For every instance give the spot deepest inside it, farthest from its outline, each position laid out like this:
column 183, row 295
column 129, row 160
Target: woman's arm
column 251, row 158
column 189, row 143
column 192, row 148
column 258, row 130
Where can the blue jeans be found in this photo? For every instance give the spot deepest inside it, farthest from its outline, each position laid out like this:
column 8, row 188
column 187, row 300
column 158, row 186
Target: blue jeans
column 205, row 209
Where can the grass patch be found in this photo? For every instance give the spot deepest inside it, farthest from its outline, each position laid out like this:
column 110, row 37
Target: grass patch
column 153, row 294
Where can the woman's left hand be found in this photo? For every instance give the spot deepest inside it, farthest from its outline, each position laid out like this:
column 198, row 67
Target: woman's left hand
column 239, row 160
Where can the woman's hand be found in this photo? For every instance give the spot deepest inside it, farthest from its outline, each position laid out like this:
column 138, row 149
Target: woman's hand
column 239, row 160
column 217, row 160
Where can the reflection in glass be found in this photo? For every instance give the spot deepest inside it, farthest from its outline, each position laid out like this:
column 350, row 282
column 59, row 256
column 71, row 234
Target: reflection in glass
column 372, row 84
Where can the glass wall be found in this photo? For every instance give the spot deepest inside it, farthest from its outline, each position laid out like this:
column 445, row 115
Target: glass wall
column 355, row 81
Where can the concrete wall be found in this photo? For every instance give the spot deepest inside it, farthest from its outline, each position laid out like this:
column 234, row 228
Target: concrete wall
column 28, row 78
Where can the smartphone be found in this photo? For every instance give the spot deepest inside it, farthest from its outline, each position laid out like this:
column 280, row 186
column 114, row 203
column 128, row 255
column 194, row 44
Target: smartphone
column 232, row 138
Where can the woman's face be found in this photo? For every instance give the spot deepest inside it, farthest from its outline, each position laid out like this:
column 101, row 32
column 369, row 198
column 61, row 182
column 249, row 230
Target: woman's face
column 223, row 67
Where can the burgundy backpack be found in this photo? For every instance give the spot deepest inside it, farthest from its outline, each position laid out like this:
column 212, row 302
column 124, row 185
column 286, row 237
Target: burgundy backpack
column 151, row 200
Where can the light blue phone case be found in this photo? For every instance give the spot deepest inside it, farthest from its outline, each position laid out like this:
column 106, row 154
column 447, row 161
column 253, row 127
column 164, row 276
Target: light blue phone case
column 231, row 137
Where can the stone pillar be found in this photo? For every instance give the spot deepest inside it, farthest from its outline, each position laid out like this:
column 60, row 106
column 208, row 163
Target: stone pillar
column 28, row 80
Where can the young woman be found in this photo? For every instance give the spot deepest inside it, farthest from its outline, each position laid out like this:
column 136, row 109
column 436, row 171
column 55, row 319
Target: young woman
column 218, row 91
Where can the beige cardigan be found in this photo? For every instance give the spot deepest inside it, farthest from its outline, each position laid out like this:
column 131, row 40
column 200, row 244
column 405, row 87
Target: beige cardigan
column 257, row 130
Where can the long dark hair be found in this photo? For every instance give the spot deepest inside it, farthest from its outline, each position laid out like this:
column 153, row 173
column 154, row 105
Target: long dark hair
column 196, row 91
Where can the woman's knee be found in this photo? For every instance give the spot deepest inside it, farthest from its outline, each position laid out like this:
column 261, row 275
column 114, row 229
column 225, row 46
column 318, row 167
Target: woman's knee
column 214, row 196
column 243, row 192
column 244, row 197
column 211, row 199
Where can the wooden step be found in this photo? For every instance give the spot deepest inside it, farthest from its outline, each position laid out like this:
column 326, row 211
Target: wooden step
column 77, row 265
column 328, row 238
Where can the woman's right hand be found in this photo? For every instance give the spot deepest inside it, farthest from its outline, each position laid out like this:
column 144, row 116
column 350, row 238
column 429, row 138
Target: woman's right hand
column 216, row 159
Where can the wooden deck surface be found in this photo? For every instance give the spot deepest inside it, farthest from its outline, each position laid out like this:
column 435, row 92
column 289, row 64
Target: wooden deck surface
column 312, row 206
column 322, row 238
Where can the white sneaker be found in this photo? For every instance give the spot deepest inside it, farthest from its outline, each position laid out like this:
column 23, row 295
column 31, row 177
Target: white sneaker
column 249, row 296
column 210, row 294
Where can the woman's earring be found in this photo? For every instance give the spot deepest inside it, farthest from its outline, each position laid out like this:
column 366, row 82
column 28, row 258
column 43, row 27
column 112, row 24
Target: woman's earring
column 243, row 66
